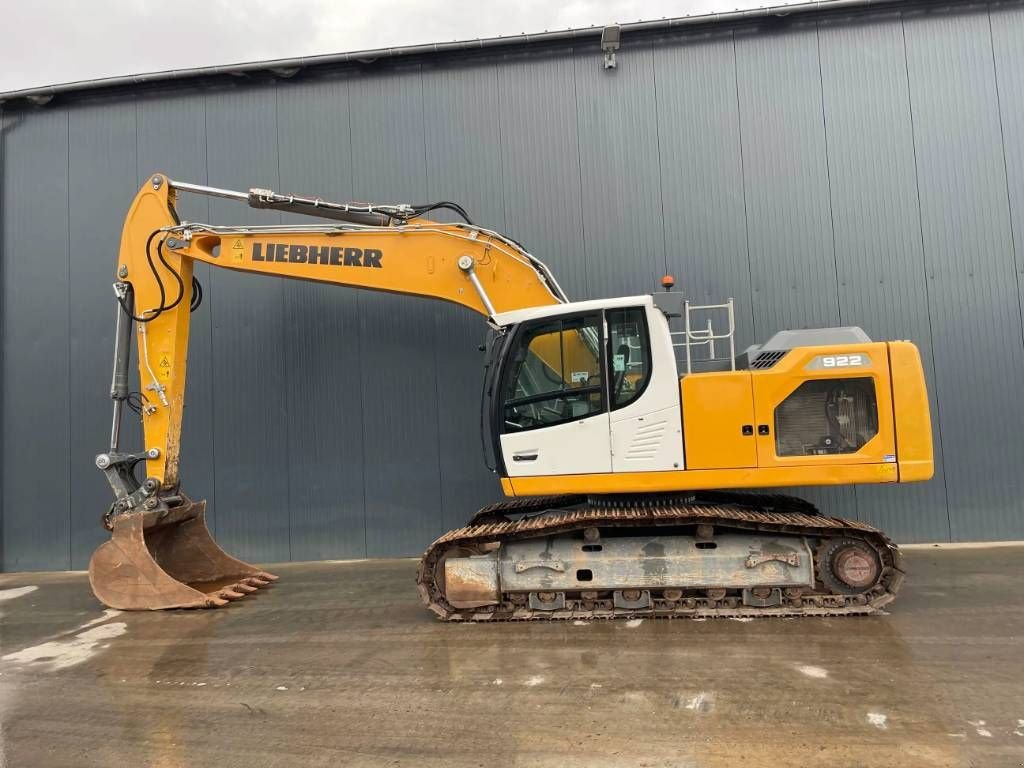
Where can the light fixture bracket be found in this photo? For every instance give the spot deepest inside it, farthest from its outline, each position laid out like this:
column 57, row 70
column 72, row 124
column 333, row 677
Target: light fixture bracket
column 610, row 44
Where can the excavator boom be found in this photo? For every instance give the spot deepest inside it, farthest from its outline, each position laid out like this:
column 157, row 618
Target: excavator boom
column 382, row 248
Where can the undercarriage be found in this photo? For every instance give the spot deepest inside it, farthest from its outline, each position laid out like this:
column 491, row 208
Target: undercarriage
column 696, row 555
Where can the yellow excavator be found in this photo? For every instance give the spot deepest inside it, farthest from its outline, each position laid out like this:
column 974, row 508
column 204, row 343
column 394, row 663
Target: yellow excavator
column 635, row 444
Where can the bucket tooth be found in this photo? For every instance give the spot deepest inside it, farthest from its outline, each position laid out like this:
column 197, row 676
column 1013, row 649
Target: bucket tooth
column 166, row 558
column 243, row 587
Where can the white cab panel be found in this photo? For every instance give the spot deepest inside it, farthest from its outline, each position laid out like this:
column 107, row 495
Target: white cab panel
column 574, row 448
column 648, row 443
column 647, row 434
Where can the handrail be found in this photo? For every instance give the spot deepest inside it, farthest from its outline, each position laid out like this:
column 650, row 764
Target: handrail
column 706, row 336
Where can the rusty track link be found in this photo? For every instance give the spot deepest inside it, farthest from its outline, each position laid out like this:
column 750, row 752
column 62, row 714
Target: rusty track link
column 766, row 513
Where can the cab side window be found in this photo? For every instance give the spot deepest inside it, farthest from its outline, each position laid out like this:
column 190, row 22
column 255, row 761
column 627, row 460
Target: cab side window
column 554, row 374
column 629, row 355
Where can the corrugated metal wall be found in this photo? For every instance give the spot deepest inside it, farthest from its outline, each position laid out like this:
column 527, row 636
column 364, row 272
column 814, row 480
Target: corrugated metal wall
column 865, row 169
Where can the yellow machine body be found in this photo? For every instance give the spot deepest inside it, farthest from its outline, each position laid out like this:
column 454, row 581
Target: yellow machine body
column 720, row 453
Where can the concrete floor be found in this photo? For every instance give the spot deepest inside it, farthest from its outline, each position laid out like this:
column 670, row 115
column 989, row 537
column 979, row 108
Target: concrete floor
column 338, row 664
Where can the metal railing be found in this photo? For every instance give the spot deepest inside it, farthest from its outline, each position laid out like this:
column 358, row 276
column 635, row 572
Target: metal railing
column 705, row 337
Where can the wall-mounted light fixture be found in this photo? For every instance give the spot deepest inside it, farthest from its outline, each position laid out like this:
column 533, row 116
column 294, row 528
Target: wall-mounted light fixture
column 610, row 44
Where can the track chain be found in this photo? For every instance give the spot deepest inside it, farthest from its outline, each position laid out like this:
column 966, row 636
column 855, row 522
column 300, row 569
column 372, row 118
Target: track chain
column 762, row 513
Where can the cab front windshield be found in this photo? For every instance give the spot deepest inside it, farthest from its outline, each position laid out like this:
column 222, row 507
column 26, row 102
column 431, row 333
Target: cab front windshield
column 555, row 374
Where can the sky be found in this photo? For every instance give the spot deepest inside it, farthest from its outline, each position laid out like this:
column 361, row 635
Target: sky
column 58, row 41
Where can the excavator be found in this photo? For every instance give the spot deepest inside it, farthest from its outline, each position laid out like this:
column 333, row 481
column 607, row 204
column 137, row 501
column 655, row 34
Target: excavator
column 637, row 460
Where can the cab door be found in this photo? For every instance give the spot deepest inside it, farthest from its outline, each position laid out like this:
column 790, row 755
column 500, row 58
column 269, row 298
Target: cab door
column 553, row 410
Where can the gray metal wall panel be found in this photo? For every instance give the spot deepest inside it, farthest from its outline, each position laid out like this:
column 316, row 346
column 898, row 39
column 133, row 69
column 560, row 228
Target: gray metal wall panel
column 620, row 174
column 786, row 180
column 540, row 163
column 1008, row 50
column 879, row 259
column 1008, row 43
column 462, row 129
column 702, row 173
column 974, row 303
column 323, row 358
column 800, row 170
column 252, row 390
column 4, row 125
column 786, row 183
column 399, row 364
column 36, row 377
column 172, row 140
column 101, row 168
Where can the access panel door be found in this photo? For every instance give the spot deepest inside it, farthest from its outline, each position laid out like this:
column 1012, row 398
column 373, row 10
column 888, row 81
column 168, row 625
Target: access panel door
column 825, row 406
column 718, row 420
column 553, row 399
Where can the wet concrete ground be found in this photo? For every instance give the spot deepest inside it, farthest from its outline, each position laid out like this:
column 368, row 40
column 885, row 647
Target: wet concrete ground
column 338, row 664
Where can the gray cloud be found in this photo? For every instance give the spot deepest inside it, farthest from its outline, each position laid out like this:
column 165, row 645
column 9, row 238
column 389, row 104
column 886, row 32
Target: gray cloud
column 87, row 39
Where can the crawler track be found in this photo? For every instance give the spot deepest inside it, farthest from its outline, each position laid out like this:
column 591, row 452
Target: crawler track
column 773, row 514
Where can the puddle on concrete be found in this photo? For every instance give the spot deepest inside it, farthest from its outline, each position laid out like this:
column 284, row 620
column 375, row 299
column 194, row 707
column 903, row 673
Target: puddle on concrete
column 818, row 673
column 980, row 729
column 61, row 654
column 11, row 594
column 702, row 703
column 108, row 614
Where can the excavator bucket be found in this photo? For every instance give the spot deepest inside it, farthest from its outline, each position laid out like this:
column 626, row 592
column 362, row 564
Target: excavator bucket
column 168, row 559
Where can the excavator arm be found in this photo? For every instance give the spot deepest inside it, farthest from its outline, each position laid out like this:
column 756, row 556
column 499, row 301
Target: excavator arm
column 385, row 248
column 161, row 554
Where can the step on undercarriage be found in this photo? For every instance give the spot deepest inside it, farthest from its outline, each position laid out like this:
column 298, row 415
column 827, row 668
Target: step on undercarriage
column 696, row 555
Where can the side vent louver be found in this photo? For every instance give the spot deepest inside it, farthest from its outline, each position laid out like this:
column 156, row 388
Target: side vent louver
column 767, row 359
column 647, row 442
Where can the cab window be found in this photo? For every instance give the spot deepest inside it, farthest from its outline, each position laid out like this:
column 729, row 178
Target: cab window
column 554, row 374
column 629, row 355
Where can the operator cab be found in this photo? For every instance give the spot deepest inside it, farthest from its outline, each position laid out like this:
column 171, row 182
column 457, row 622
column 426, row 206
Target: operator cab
column 584, row 387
